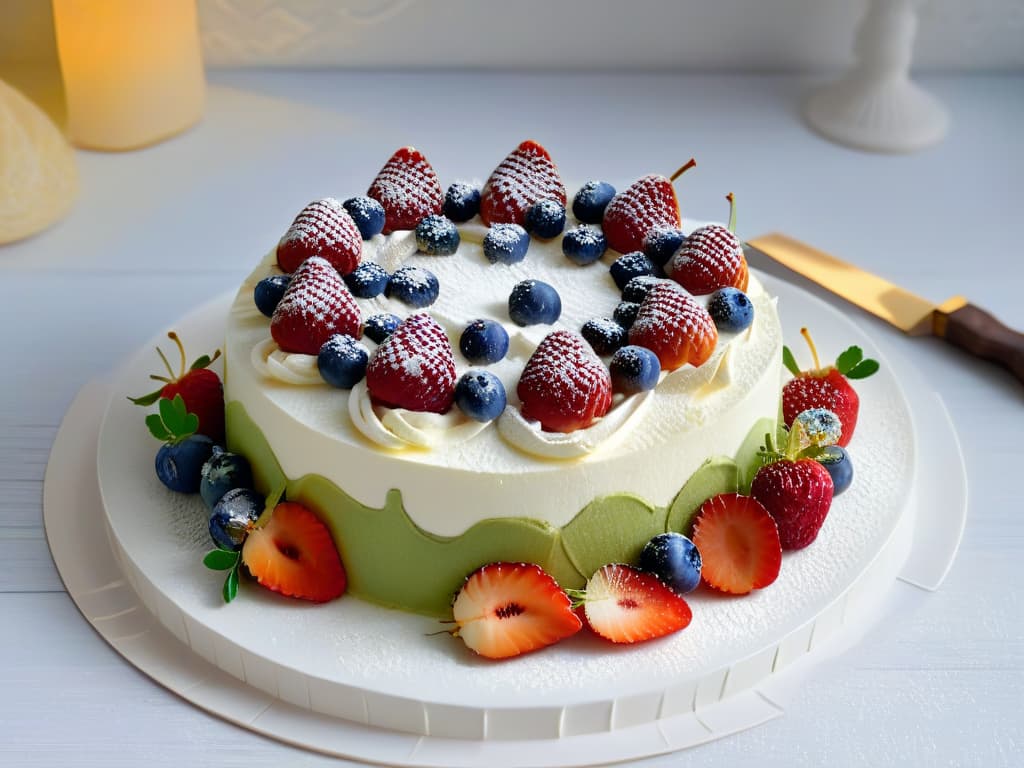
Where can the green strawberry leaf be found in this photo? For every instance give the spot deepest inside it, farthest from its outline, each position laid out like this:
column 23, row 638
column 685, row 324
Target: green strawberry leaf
column 230, row 591
column 789, row 361
column 179, row 422
column 157, row 428
column 202, row 362
column 848, row 360
column 149, row 399
column 863, row 369
column 220, row 560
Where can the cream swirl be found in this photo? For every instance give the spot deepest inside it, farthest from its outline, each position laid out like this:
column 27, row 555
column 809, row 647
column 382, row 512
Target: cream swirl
column 272, row 362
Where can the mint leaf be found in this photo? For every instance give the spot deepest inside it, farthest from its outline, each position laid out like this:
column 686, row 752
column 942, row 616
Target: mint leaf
column 157, row 428
column 863, row 369
column 220, row 560
column 849, row 359
column 789, row 361
column 231, row 585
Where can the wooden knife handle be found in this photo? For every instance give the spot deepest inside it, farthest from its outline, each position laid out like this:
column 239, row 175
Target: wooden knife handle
column 976, row 331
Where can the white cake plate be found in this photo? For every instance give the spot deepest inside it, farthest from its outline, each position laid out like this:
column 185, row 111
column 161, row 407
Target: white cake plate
column 611, row 719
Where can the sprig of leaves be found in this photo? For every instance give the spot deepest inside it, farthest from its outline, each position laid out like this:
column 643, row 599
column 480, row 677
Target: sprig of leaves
column 173, row 423
column 225, row 560
column 853, row 365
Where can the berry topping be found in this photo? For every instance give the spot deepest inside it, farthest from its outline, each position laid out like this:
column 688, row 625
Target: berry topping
column 367, row 281
column 233, row 517
column 625, row 313
column 316, row 306
column 674, row 327
column 626, row 605
column 199, row 387
column 413, row 368
column 484, row 342
column 223, row 472
column 408, row 189
column 584, row 245
column 268, row 293
column 634, row 369
column 480, row 395
column 414, row 286
column 661, row 244
column 738, row 543
column 837, row 461
column 323, row 228
column 436, row 235
column 731, row 310
column 368, row 215
column 591, row 200
column 674, row 559
column 625, row 268
column 798, row 494
column 564, row 385
column 604, row 335
column 636, row 290
column 506, row 244
column 527, row 175
column 461, row 201
column 648, row 203
column 180, row 465
column 545, row 219
column 294, row 554
column 379, row 327
column 506, row 609
column 533, row 302
column 342, row 361
column 710, row 259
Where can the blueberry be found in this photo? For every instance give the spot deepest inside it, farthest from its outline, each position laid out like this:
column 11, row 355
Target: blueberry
column 342, row 361
column 604, row 335
column 625, row 313
column 379, row 327
column 589, row 204
column 480, row 395
column 268, row 292
column 837, row 461
column 584, row 245
column 533, row 302
column 180, row 465
column 414, row 286
column 506, row 244
column 545, row 219
column 233, row 516
column 731, row 309
column 484, row 342
column 674, row 559
column 367, row 213
column 461, row 201
column 661, row 243
column 636, row 290
column 634, row 369
column 625, row 268
column 222, row 472
column 437, row 235
column 367, row 281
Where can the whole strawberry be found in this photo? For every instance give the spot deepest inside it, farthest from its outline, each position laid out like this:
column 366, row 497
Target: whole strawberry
column 315, row 306
column 647, row 204
column 323, row 228
column 408, row 189
column 710, row 258
column 414, row 367
column 199, row 387
column 673, row 326
column 525, row 176
column 826, row 387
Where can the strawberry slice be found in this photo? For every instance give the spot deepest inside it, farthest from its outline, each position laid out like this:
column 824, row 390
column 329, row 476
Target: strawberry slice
column 625, row 605
column 527, row 175
column 673, row 326
column 738, row 543
column 798, row 494
column 414, row 368
column 564, row 385
column 506, row 609
column 709, row 259
column 323, row 228
column 294, row 555
column 408, row 188
column 648, row 203
column 315, row 306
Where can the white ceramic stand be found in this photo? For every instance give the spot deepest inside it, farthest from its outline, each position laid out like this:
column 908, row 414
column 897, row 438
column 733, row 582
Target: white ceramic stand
column 875, row 106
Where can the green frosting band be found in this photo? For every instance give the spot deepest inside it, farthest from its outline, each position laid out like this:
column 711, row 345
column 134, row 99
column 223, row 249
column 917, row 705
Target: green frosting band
column 389, row 560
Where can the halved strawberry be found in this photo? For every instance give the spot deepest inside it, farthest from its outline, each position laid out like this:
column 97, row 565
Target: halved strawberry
column 648, row 203
column 527, row 175
column 408, row 188
column 738, row 543
column 414, row 367
column 294, row 554
column 315, row 306
column 323, row 228
column 675, row 327
column 625, row 605
column 506, row 609
column 564, row 385
column 709, row 259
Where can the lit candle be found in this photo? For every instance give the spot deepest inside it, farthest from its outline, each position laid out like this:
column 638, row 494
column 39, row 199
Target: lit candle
column 133, row 74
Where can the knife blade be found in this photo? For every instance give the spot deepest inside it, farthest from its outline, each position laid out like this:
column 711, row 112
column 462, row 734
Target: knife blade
column 955, row 320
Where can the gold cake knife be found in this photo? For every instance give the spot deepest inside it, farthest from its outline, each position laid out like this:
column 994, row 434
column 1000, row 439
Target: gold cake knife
column 956, row 320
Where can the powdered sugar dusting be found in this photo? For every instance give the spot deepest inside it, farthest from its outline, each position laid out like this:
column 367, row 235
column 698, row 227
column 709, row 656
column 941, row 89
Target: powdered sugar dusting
column 648, row 203
column 408, row 188
column 323, row 228
column 674, row 326
column 414, row 368
column 711, row 258
column 521, row 179
column 316, row 305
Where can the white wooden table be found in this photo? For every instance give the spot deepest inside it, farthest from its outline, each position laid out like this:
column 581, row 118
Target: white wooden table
column 159, row 231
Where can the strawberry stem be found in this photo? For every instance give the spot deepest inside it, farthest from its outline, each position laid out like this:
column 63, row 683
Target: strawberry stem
column 732, row 212
column 814, row 350
column 167, row 365
column 181, row 351
column 689, row 164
